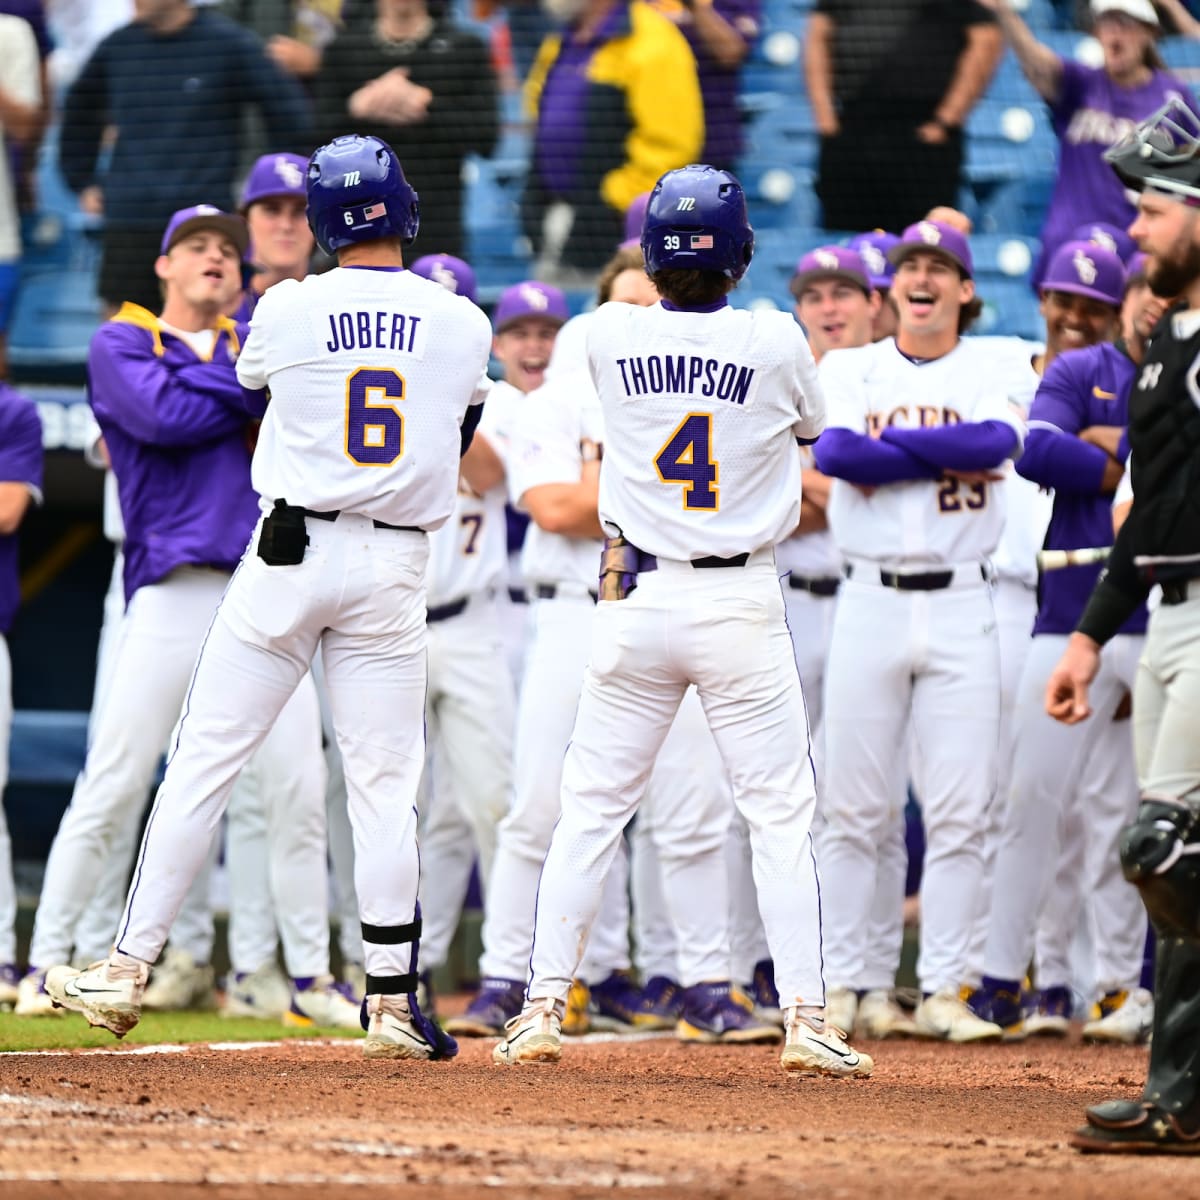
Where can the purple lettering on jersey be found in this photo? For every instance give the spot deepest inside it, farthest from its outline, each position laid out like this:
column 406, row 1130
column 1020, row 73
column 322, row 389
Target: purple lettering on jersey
column 372, row 331
column 678, row 374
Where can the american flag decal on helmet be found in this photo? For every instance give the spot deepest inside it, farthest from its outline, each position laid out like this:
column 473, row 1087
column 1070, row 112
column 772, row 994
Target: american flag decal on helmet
column 374, row 210
column 701, row 241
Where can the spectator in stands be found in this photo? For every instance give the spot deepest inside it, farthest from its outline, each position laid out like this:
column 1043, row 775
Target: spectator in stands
column 617, row 101
column 891, row 84
column 296, row 32
column 20, row 485
column 721, row 33
column 77, row 27
column 1091, row 108
column 20, row 122
column 1180, row 17
column 427, row 88
column 172, row 85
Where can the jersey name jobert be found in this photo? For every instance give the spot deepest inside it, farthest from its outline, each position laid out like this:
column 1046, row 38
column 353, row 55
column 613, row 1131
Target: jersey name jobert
column 672, row 374
column 378, row 330
column 916, row 416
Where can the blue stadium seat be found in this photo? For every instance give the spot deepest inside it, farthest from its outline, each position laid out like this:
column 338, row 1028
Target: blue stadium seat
column 47, row 747
column 1040, row 15
column 1074, row 45
column 55, row 315
column 1009, row 84
column 1006, row 255
column 1009, row 307
column 780, row 197
column 1182, row 56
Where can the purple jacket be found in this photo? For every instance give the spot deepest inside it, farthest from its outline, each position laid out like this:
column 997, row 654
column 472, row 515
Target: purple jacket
column 175, row 428
column 20, row 462
column 1081, row 388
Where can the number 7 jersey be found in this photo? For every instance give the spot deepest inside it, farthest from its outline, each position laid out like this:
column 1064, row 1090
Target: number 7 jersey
column 702, row 411
column 371, row 372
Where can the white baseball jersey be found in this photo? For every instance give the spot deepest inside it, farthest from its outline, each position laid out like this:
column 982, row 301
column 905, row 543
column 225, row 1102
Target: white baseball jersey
column 702, row 412
column 358, row 421
column 545, row 448
column 1027, row 505
column 469, row 554
column 570, row 347
column 924, row 520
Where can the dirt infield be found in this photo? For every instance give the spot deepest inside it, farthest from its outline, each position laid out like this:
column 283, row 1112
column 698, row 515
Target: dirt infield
column 654, row 1117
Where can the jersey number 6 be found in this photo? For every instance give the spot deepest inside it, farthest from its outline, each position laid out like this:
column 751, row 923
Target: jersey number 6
column 687, row 458
column 374, row 430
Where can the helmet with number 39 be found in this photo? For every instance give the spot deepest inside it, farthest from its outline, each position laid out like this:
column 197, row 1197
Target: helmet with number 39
column 357, row 193
column 696, row 220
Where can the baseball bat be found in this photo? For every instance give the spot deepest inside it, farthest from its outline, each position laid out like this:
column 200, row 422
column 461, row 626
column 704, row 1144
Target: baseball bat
column 1055, row 560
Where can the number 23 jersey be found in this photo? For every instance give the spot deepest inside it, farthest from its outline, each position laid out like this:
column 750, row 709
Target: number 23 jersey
column 702, row 412
column 371, row 372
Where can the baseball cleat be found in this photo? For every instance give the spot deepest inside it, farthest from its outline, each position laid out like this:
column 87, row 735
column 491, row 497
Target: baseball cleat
column 764, row 994
column 660, row 1004
column 813, row 1051
column 532, row 1037
column 577, row 1018
column 995, row 1002
column 1124, row 1017
column 495, row 1004
column 263, row 994
column 714, row 1012
column 395, row 1031
column 615, row 1005
column 1134, row 1127
column 946, row 1017
column 323, row 1002
column 32, row 998
column 879, row 1016
column 1049, row 1013
column 841, row 1008
column 178, row 983
column 108, row 994
column 10, row 979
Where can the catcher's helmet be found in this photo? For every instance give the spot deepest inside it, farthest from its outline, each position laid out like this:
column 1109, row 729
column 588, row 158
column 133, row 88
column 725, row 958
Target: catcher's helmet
column 696, row 220
column 357, row 193
column 1161, row 153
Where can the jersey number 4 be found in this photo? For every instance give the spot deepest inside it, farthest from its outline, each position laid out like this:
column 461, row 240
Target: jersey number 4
column 687, row 458
column 374, row 428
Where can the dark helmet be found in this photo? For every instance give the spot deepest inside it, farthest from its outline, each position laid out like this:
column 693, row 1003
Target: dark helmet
column 357, row 193
column 696, row 220
column 1161, row 153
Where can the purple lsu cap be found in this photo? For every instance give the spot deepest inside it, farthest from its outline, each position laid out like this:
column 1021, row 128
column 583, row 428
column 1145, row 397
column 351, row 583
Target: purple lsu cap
column 873, row 247
column 936, row 236
column 635, row 217
column 529, row 299
column 452, row 273
column 1086, row 269
column 1111, row 237
column 204, row 216
column 831, row 262
column 275, row 175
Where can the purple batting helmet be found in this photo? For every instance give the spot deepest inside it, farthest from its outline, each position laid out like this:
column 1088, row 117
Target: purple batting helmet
column 696, row 220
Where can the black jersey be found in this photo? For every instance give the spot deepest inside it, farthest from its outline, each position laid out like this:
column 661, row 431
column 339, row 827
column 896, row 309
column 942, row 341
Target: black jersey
column 1160, row 540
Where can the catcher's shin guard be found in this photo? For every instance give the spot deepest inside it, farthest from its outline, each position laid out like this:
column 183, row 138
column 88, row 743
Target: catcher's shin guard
column 1160, row 855
column 444, row 1046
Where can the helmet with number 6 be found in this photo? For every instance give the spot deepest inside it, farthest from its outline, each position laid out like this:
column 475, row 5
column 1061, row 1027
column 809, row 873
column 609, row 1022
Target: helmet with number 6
column 357, row 193
column 696, row 220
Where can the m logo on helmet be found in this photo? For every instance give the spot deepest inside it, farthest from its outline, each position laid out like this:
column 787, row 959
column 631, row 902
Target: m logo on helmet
column 1085, row 267
column 686, row 204
column 352, row 179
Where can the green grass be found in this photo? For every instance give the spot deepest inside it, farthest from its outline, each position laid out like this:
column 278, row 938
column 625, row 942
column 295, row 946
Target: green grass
column 72, row 1032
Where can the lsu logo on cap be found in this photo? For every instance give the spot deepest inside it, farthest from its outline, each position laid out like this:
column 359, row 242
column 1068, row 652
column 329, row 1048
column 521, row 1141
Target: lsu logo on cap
column 440, row 273
column 873, row 258
column 931, row 235
column 826, row 259
column 534, row 297
column 289, row 174
column 1085, row 268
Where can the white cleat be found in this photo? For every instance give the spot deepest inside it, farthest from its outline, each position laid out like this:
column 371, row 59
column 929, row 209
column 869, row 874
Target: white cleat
column 879, row 1016
column 534, row 1036
column 946, row 1017
column 841, row 1008
column 324, row 1003
column 1129, row 1023
column 263, row 994
column 812, row 1051
column 108, row 994
column 32, row 998
column 391, row 1032
column 178, row 984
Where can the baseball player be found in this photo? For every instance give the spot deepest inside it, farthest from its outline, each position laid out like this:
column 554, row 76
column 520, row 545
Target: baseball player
column 919, row 429
column 1158, row 542
column 168, row 402
column 338, row 561
column 1075, row 425
column 471, row 699
column 20, row 486
column 874, row 248
column 702, row 404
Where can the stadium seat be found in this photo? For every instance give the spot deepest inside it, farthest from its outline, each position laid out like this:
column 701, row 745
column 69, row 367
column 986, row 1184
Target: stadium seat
column 1007, row 255
column 1009, row 307
column 55, row 315
column 1182, row 56
column 1072, row 44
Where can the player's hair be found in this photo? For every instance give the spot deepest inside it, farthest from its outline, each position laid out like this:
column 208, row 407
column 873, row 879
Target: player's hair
column 969, row 314
column 627, row 258
column 690, row 289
